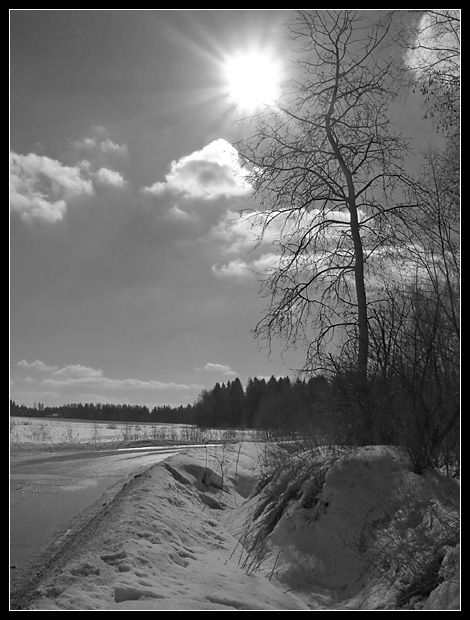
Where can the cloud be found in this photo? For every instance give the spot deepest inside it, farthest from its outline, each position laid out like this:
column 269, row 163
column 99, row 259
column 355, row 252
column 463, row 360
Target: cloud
column 212, row 172
column 407, row 264
column 223, row 369
column 234, row 269
column 35, row 395
column 102, row 152
column 436, row 45
column 42, row 188
column 78, row 371
column 175, row 213
column 247, row 269
column 240, row 232
column 156, row 189
column 105, row 176
column 265, row 263
column 86, row 144
column 37, row 365
column 86, row 376
column 101, row 143
column 108, row 146
column 236, row 232
column 319, row 232
column 106, row 382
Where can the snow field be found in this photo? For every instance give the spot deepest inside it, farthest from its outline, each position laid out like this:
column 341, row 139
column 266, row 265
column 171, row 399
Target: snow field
column 57, row 431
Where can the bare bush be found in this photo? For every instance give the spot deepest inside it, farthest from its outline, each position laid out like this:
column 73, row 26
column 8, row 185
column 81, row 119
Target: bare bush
column 289, row 470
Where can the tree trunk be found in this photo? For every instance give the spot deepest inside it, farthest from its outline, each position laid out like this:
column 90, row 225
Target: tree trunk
column 361, row 298
column 362, row 323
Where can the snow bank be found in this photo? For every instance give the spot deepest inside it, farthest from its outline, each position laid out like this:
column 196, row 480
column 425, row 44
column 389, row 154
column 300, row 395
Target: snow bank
column 362, row 533
column 203, row 530
column 163, row 543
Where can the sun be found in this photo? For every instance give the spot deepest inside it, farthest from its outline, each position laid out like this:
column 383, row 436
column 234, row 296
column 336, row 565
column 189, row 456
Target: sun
column 253, row 79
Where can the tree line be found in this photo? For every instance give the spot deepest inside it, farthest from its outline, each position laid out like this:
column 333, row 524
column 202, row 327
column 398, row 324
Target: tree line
column 276, row 403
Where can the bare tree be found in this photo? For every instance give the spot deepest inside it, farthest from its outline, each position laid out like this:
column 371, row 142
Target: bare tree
column 415, row 330
column 327, row 168
column 415, row 350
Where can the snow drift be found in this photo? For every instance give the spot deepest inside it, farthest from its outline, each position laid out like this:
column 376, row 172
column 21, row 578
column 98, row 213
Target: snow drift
column 357, row 529
column 225, row 528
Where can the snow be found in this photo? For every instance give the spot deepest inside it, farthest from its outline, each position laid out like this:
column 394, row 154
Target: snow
column 59, row 431
column 365, row 532
column 340, row 531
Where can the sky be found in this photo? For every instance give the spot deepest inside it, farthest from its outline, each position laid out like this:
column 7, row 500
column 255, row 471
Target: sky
column 132, row 266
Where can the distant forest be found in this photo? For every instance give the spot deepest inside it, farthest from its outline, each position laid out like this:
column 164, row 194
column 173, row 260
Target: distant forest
column 278, row 403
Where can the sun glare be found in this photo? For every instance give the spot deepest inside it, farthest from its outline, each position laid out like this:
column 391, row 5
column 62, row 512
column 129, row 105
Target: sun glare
column 253, row 79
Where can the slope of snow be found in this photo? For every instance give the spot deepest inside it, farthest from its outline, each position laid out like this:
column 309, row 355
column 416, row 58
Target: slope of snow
column 363, row 533
column 160, row 544
column 198, row 531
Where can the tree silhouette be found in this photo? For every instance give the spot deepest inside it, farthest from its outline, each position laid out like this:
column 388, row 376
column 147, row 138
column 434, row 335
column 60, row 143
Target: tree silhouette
column 326, row 166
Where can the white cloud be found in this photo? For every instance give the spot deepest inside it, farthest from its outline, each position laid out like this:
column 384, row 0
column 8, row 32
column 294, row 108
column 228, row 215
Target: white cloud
column 78, row 371
column 37, row 365
column 42, row 188
column 437, row 44
column 86, row 376
column 223, row 369
column 239, row 232
column 319, row 231
column 212, row 172
column 265, row 263
column 236, row 232
column 101, row 144
column 84, row 165
column 26, row 396
column 234, row 269
column 86, row 143
column 108, row 146
column 242, row 269
column 156, row 189
column 105, row 176
column 407, row 264
column 175, row 213
column 106, row 382
column 102, row 151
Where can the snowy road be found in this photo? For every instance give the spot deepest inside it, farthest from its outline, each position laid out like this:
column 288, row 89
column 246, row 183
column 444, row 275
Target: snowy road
column 48, row 490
